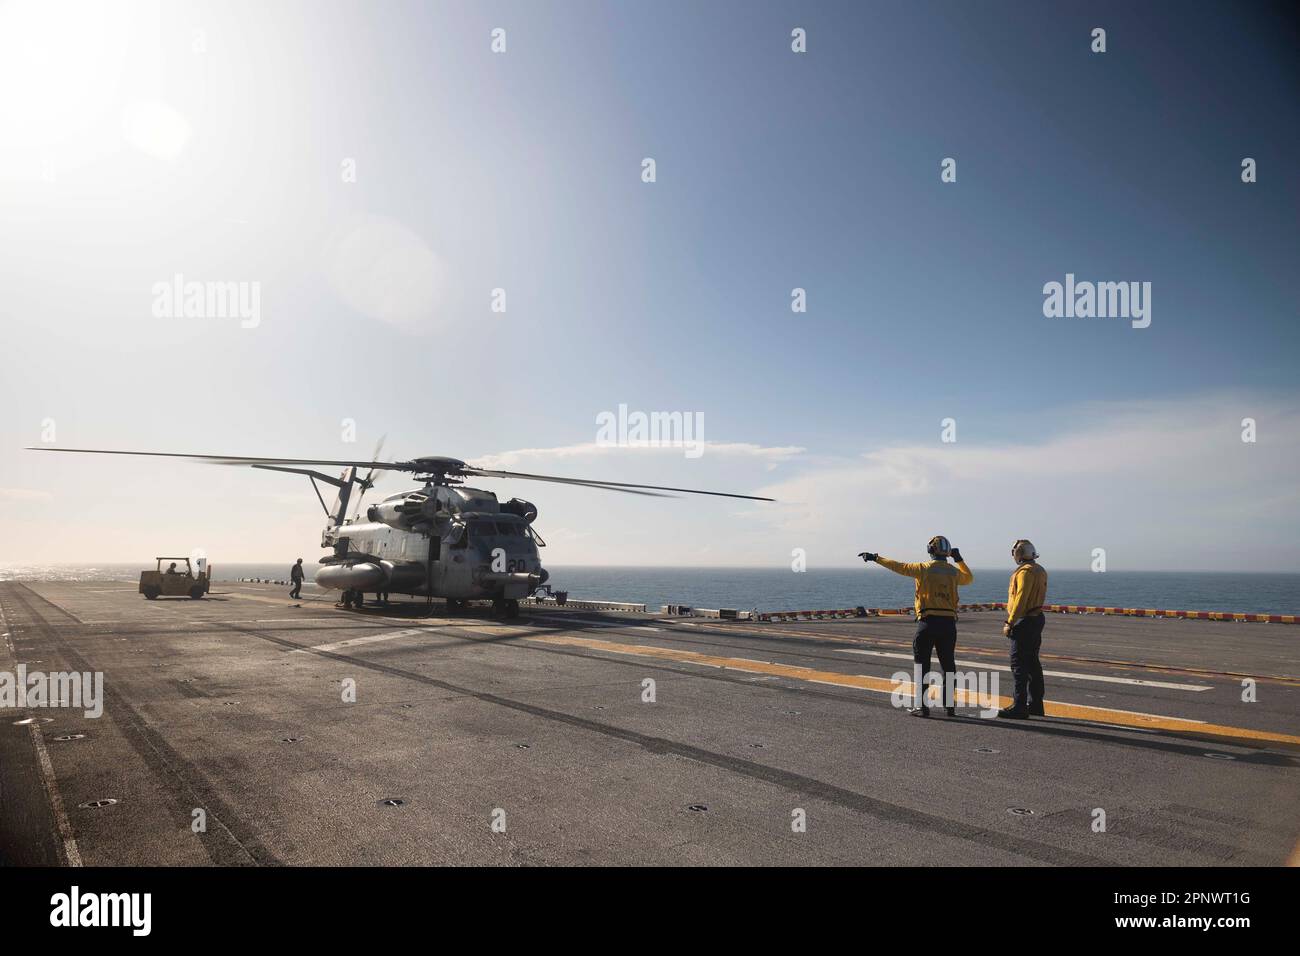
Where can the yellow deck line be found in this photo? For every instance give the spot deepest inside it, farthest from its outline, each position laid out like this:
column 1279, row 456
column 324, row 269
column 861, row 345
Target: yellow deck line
column 1200, row 672
column 880, row 685
column 1105, row 715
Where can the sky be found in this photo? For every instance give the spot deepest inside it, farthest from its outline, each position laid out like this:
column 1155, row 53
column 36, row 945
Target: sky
column 376, row 171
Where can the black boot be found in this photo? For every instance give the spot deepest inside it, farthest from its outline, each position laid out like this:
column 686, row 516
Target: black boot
column 1036, row 709
column 1014, row 713
column 921, row 711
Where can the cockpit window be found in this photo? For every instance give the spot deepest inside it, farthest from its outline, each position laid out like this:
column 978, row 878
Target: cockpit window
column 510, row 529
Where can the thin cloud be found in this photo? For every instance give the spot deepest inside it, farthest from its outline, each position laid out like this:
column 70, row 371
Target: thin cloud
column 24, row 494
column 1163, row 484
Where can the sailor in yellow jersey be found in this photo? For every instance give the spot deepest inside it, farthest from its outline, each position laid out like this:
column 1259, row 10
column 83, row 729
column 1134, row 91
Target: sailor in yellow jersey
column 1025, row 598
column 936, row 613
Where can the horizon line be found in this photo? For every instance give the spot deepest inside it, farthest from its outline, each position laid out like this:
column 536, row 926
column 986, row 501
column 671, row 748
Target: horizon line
column 696, row 567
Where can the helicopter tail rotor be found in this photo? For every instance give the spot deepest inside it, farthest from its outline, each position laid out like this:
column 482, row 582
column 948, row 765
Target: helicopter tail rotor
column 369, row 480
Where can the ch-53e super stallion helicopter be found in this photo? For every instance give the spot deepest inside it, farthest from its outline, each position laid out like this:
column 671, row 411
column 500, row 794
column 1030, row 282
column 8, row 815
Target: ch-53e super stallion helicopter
column 443, row 540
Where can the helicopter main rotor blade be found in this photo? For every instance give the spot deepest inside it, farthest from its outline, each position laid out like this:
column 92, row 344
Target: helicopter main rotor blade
column 244, row 459
column 609, row 485
column 442, row 466
column 601, row 486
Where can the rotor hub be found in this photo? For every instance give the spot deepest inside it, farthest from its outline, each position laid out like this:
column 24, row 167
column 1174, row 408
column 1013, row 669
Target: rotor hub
column 436, row 465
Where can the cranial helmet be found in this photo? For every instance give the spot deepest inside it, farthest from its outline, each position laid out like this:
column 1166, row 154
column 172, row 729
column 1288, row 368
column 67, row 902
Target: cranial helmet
column 939, row 547
column 1023, row 550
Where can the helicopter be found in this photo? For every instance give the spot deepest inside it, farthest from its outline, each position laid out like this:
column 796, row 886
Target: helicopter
column 442, row 540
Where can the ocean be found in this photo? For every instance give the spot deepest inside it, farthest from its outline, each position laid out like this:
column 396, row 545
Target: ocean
column 775, row 589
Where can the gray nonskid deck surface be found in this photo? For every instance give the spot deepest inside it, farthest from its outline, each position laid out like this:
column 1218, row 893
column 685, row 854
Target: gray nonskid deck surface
column 238, row 706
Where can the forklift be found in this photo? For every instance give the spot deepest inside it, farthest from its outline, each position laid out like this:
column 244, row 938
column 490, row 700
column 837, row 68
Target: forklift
column 173, row 582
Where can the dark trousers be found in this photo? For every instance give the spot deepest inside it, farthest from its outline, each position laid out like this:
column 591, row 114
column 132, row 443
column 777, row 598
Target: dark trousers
column 936, row 634
column 297, row 588
column 1026, row 668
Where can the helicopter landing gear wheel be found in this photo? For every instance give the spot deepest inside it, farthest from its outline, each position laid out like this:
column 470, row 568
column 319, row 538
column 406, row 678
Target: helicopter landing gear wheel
column 503, row 608
column 456, row 605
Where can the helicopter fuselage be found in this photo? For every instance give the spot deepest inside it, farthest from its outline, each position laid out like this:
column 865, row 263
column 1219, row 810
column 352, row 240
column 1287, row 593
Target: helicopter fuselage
column 482, row 550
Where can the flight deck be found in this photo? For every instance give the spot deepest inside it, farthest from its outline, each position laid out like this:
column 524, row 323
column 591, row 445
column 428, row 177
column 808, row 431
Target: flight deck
column 246, row 728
